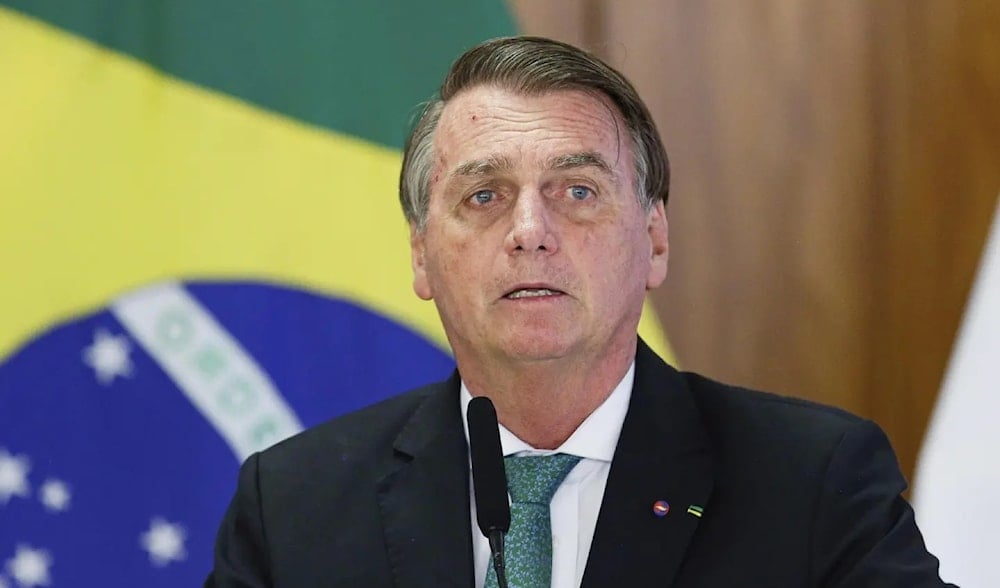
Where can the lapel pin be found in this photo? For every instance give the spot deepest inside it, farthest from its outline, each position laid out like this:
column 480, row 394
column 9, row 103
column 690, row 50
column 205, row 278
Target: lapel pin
column 695, row 510
column 661, row 508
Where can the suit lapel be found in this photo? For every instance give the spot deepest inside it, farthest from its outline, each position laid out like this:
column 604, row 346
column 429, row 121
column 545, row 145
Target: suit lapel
column 424, row 496
column 663, row 453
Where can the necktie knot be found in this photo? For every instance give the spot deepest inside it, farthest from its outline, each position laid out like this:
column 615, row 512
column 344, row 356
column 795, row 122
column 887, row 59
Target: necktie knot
column 535, row 478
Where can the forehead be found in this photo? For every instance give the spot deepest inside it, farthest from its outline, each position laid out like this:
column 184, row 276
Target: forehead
column 487, row 121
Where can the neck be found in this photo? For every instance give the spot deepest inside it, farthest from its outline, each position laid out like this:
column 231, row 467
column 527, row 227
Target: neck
column 544, row 402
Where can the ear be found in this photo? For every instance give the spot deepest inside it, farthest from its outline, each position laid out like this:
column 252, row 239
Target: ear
column 660, row 245
column 421, row 286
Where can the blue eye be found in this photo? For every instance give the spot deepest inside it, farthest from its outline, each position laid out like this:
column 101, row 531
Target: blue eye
column 483, row 196
column 580, row 192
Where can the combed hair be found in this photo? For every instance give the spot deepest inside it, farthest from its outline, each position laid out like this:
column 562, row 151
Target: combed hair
column 533, row 66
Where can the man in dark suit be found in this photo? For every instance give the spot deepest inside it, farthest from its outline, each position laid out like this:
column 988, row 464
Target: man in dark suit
column 535, row 189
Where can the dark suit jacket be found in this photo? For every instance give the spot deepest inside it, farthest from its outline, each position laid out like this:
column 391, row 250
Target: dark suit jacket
column 794, row 494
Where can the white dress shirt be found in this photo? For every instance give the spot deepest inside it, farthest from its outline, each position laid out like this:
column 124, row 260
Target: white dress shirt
column 577, row 502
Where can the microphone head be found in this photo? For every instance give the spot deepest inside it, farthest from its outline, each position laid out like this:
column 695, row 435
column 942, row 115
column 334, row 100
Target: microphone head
column 489, row 477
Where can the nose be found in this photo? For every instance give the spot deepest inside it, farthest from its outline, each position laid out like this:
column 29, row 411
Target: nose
column 531, row 226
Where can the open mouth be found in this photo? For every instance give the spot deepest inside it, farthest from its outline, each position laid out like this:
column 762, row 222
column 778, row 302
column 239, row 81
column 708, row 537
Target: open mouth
column 521, row 293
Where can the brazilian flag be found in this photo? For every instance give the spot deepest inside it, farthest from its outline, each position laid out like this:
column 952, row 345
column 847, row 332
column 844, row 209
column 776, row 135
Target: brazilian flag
column 201, row 253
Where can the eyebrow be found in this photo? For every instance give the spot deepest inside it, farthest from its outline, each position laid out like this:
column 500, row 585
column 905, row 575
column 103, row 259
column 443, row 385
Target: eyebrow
column 500, row 163
column 583, row 159
column 484, row 167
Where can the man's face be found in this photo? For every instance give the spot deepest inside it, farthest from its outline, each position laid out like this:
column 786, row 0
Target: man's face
column 535, row 246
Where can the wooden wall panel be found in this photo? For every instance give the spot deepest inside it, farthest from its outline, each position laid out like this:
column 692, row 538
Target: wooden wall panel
column 572, row 21
column 937, row 90
column 834, row 168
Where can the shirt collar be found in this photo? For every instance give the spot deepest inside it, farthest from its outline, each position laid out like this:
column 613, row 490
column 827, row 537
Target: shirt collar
column 597, row 436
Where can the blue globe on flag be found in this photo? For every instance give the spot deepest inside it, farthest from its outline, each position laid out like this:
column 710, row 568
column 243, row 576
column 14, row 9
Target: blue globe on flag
column 121, row 432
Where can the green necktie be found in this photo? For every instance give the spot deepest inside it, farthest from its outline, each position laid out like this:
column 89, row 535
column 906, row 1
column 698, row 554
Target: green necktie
column 531, row 482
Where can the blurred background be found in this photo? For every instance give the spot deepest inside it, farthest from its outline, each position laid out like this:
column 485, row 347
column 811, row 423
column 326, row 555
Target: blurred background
column 836, row 167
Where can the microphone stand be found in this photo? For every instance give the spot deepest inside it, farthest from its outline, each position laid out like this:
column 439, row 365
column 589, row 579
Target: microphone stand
column 495, row 537
column 489, row 479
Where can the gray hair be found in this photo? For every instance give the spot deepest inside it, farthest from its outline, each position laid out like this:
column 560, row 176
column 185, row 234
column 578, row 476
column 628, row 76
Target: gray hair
column 533, row 66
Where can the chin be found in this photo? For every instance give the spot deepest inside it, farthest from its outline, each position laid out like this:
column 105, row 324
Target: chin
column 537, row 347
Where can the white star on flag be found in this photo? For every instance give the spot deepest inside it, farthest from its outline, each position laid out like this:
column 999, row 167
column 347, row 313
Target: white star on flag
column 13, row 476
column 164, row 541
column 109, row 356
column 55, row 495
column 30, row 567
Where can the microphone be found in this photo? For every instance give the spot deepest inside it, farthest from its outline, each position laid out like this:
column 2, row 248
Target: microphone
column 489, row 479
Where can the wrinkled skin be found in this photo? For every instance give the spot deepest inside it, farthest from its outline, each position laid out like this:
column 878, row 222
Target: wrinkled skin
column 536, row 195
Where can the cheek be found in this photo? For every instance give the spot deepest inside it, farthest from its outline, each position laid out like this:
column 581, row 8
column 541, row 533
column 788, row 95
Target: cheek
column 620, row 259
column 453, row 264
